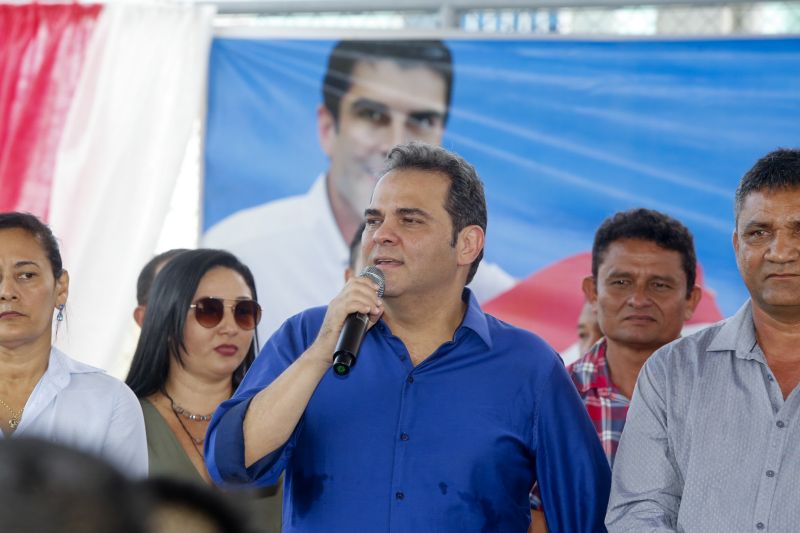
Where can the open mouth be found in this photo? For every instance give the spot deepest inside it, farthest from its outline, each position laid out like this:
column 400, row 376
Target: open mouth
column 386, row 262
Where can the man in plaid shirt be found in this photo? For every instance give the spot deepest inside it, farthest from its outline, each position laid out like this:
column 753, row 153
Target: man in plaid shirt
column 643, row 289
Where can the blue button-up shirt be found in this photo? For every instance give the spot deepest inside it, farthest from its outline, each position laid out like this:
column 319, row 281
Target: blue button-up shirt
column 453, row 444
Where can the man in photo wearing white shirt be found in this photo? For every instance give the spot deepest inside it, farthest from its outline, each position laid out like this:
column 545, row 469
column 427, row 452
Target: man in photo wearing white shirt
column 376, row 94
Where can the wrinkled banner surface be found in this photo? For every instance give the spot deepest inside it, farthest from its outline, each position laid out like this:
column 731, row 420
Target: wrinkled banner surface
column 564, row 133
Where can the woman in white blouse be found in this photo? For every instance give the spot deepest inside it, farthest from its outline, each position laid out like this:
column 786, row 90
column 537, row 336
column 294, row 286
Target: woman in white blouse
column 44, row 393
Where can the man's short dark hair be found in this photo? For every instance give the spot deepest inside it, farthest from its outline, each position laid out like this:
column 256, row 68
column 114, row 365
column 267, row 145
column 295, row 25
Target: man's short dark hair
column 778, row 170
column 355, row 246
column 148, row 273
column 466, row 201
column 46, row 487
column 178, row 498
column 651, row 226
column 410, row 53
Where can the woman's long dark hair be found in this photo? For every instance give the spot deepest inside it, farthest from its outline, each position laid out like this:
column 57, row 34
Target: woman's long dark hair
column 164, row 321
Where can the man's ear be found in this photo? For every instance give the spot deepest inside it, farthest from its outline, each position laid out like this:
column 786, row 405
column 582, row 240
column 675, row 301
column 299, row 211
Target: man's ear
column 469, row 244
column 326, row 129
column 692, row 301
column 589, row 286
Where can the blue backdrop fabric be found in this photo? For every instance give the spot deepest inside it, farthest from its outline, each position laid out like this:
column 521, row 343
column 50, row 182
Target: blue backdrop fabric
column 563, row 133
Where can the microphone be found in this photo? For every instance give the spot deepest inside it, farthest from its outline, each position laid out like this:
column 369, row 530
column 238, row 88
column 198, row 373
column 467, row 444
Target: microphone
column 354, row 329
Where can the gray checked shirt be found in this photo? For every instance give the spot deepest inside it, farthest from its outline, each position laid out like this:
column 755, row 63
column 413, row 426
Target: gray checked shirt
column 709, row 444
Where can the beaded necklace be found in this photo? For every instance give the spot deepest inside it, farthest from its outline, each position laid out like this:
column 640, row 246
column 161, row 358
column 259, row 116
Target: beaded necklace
column 179, row 412
column 13, row 422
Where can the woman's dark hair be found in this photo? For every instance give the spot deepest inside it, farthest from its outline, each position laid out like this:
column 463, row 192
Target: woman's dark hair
column 148, row 273
column 165, row 319
column 40, row 231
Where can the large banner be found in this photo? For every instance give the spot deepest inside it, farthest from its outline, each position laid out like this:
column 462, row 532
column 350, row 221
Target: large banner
column 563, row 133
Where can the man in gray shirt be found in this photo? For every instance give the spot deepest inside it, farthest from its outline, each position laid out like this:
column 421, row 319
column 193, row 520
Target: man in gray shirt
column 710, row 442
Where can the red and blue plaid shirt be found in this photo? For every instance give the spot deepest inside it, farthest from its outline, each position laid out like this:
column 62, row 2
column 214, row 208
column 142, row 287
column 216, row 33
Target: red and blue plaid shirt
column 607, row 406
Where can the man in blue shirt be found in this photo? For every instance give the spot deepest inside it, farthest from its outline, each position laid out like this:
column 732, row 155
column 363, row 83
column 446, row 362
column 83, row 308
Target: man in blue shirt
column 449, row 416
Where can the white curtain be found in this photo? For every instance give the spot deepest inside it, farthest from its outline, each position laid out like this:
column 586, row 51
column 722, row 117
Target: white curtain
column 141, row 90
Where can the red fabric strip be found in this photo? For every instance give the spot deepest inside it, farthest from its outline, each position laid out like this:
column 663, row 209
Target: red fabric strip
column 41, row 52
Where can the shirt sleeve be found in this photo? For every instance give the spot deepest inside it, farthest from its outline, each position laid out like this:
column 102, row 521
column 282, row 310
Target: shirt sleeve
column 572, row 471
column 224, row 446
column 125, row 444
column 646, row 486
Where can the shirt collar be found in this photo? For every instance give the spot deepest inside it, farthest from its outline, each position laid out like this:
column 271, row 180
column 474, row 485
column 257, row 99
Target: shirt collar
column 475, row 318
column 320, row 207
column 60, row 367
column 56, row 378
column 592, row 370
column 738, row 335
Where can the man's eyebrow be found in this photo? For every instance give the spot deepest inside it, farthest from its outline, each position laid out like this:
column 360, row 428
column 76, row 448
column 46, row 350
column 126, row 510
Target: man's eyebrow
column 667, row 278
column 371, row 213
column 367, row 103
column 756, row 224
column 405, row 211
column 26, row 263
column 423, row 115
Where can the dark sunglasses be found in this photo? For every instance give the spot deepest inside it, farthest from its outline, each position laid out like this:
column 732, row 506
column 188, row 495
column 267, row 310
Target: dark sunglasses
column 209, row 312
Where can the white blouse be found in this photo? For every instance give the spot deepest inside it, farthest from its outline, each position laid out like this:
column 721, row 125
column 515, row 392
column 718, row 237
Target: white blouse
column 81, row 406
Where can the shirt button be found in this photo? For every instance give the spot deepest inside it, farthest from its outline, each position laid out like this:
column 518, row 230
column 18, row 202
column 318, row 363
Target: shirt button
column 403, row 436
column 770, row 378
column 770, row 473
column 410, row 380
column 780, row 424
column 399, row 495
column 760, row 525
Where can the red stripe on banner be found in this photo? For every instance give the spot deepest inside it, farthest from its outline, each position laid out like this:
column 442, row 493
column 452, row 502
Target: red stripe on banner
column 41, row 52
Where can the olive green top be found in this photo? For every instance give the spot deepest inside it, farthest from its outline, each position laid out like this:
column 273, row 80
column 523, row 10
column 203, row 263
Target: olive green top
column 168, row 459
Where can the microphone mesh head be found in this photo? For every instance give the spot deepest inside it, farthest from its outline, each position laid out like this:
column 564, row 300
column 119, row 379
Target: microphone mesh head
column 375, row 274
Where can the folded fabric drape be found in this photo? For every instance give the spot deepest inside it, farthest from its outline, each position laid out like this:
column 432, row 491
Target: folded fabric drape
column 139, row 97
column 42, row 48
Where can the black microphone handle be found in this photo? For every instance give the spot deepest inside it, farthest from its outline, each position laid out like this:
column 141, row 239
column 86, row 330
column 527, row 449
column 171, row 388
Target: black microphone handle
column 353, row 331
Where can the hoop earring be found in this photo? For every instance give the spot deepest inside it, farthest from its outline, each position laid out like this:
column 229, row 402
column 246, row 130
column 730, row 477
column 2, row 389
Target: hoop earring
column 60, row 315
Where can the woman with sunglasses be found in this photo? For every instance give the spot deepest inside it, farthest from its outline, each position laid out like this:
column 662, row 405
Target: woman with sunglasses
column 43, row 392
column 196, row 344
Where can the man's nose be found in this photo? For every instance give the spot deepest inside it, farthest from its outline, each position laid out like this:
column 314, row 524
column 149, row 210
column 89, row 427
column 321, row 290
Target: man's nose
column 639, row 296
column 385, row 234
column 783, row 248
column 397, row 132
